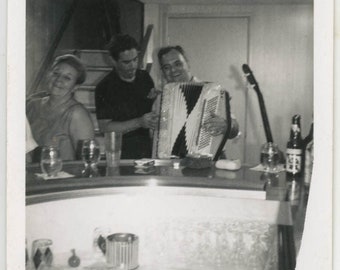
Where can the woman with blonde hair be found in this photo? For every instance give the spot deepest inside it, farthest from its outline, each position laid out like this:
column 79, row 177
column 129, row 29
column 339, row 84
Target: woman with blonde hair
column 58, row 119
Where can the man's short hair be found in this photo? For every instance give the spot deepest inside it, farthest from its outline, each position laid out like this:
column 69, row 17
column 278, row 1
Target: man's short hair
column 73, row 61
column 164, row 50
column 121, row 43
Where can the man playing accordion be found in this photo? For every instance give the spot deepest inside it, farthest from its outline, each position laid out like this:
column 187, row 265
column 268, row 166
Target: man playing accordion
column 175, row 68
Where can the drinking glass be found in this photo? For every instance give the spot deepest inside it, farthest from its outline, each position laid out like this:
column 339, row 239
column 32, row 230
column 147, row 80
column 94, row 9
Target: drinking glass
column 42, row 253
column 99, row 242
column 270, row 157
column 50, row 163
column 113, row 145
column 90, row 154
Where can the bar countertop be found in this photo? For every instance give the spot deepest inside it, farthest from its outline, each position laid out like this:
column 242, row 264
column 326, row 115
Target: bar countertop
column 164, row 172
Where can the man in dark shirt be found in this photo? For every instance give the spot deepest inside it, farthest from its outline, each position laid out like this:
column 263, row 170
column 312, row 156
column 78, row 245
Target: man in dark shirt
column 123, row 102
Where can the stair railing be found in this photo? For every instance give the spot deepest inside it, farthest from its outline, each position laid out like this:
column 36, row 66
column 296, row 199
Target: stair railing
column 50, row 53
column 144, row 45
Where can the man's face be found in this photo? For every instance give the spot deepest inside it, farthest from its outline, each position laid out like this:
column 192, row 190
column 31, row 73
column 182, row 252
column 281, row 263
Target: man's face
column 127, row 65
column 175, row 68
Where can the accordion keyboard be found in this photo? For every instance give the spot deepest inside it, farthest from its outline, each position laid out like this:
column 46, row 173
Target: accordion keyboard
column 205, row 137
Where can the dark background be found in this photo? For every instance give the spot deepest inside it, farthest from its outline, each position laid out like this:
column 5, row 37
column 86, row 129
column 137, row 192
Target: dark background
column 90, row 26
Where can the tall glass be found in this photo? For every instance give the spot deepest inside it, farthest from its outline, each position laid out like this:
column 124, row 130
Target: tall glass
column 90, row 154
column 113, row 146
column 50, row 163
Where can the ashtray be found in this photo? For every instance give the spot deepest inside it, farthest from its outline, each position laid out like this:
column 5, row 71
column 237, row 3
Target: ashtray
column 197, row 161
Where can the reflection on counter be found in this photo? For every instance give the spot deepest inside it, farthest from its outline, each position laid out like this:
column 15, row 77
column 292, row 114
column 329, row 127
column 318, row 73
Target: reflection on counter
column 166, row 171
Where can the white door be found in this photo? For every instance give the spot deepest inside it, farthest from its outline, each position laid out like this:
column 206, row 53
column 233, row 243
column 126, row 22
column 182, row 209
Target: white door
column 217, row 47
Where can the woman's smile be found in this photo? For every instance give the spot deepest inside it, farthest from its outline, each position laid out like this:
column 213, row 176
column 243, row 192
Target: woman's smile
column 63, row 79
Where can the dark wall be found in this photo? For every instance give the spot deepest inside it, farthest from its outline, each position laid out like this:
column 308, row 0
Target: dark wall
column 42, row 21
column 132, row 18
column 91, row 26
column 95, row 21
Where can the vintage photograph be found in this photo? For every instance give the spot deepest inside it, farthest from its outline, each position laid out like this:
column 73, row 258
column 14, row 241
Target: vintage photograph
column 166, row 134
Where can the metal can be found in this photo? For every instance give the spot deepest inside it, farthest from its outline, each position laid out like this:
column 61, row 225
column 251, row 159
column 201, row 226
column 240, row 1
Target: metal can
column 122, row 251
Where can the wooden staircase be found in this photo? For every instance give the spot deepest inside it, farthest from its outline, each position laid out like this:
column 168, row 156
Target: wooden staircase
column 98, row 64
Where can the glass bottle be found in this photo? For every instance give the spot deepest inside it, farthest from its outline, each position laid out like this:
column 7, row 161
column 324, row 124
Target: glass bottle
column 308, row 157
column 310, row 136
column 294, row 150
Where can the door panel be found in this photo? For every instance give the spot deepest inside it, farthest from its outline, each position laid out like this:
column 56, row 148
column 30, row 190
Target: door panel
column 217, row 47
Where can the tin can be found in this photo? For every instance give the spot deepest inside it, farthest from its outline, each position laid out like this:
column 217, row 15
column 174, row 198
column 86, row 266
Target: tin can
column 122, row 251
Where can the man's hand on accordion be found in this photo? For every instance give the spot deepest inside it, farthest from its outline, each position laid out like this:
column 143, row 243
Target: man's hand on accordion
column 149, row 120
column 154, row 93
column 217, row 125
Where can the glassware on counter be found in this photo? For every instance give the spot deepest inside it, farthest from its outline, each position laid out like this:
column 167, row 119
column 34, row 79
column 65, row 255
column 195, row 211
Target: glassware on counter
column 99, row 242
column 270, row 157
column 113, row 147
column 90, row 154
column 51, row 163
column 41, row 253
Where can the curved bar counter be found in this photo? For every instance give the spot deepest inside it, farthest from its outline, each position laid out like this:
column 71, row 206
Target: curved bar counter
column 185, row 218
column 164, row 173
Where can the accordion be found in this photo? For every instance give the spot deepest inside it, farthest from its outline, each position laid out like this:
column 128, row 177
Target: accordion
column 184, row 108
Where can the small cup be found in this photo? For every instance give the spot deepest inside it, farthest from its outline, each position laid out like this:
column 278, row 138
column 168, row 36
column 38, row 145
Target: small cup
column 113, row 147
column 270, row 157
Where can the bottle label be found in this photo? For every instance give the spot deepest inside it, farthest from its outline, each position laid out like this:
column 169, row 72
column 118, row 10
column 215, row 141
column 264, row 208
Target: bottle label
column 293, row 160
column 291, row 151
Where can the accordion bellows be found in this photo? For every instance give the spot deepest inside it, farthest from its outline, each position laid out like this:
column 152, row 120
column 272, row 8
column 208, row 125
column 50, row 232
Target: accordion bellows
column 185, row 107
